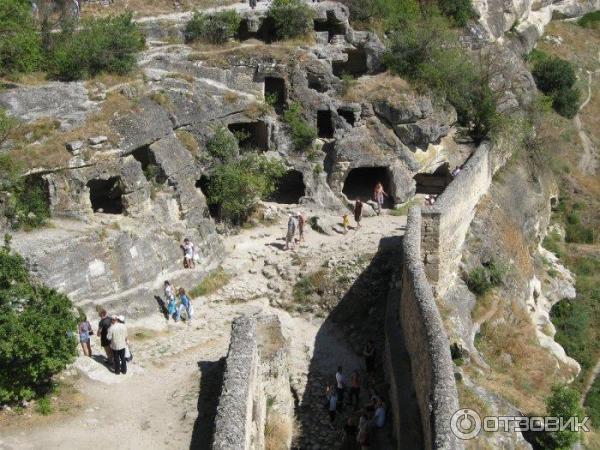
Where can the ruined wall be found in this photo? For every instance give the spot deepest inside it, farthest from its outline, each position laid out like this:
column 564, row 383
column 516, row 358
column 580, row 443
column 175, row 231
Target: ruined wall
column 426, row 344
column 445, row 224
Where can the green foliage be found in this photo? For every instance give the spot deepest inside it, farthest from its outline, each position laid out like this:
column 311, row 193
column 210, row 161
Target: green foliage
column 237, row 185
column 222, row 144
column 392, row 12
column 555, row 77
column 303, row 133
column 562, row 402
column 35, row 331
column 44, row 406
column 7, row 123
column 216, row 28
column 430, row 55
column 98, row 45
column 291, row 18
column 482, row 279
column 27, row 206
column 590, row 20
column 20, row 44
column 592, row 403
column 459, row 11
column 211, row 283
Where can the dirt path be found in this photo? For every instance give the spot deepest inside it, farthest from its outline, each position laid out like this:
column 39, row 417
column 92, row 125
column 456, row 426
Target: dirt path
column 588, row 162
column 168, row 398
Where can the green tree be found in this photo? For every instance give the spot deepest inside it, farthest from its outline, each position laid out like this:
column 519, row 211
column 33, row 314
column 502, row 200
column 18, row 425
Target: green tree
column 552, row 74
column 291, row 18
column 222, row 144
column 20, row 44
column 303, row 133
column 563, row 402
column 216, row 28
column 460, row 11
column 36, row 325
column 239, row 184
column 566, row 102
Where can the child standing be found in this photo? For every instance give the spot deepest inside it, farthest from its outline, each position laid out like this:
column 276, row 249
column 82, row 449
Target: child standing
column 345, row 222
column 185, row 304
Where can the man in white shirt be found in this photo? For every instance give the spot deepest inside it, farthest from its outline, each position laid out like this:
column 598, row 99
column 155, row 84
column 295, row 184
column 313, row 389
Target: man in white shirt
column 340, row 385
column 117, row 333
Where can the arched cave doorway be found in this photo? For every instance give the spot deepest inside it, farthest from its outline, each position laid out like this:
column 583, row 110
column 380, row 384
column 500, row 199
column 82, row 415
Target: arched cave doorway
column 290, row 189
column 106, row 195
column 356, row 65
column 361, row 182
column 202, row 184
column 251, row 135
column 433, row 183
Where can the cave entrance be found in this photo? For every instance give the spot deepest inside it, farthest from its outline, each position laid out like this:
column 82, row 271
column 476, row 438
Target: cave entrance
column 275, row 92
column 244, row 33
column 251, row 135
column 150, row 167
column 331, row 25
column 348, row 115
column 316, row 83
column 290, row 188
column 106, row 195
column 213, row 208
column 356, row 65
column 433, row 183
column 360, row 183
column 266, row 31
column 325, row 123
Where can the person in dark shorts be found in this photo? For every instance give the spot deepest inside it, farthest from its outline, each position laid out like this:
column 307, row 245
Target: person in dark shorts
column 358, row 212
column 103, row 326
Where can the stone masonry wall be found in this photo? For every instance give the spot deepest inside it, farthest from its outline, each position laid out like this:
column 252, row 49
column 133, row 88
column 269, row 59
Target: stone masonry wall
column 427, row 345
column 445, row 224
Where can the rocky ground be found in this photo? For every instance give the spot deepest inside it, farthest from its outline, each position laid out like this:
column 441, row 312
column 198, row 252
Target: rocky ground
column 171, row 389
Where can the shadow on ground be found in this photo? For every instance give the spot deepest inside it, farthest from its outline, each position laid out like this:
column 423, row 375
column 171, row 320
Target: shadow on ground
column 211, row 382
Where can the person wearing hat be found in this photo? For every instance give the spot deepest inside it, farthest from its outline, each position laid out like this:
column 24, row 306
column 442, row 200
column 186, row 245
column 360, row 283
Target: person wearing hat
column 117, row 333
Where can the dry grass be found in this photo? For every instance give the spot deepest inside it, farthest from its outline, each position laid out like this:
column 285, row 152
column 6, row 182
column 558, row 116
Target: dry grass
column 231, row 97
column 384, row 86
column 142, row 8
column 211, row 283
column 515, row 245
column 189, row 141
column 580, row 45
column 278, row 432
column 53, row 152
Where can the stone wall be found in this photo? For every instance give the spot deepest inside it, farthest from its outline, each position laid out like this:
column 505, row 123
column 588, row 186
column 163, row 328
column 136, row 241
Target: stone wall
column 427, row 346
column 444, row 225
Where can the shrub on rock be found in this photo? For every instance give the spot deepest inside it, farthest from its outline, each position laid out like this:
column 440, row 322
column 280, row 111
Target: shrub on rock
column 459, row 11
column 222, row 144
column 216, row 28
column 36, row 325
column 303, row 133
column 20, row 44
column 291, row 18
column 556, row 77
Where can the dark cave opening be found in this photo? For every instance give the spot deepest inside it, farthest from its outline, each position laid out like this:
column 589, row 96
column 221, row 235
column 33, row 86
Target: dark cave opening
column 433, row 183
column 251, row 135
column 290, row 188
column 325, row 123
column 202, row 184
column 316, row 83
column 275, row 92
column 151, row 169
column 348, row 115
column 356, row 65
column 331, row 25
column 106, row 195
column 360, row 183
column 266, row 31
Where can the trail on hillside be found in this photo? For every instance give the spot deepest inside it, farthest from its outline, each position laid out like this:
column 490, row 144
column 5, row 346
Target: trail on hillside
column 588, row 162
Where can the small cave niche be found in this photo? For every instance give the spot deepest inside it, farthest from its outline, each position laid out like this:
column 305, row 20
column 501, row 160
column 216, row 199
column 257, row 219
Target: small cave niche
column 316, row 83
column 325, row 123
column 266, row 31
column 202, row 184
column 330, row 24
column 355, row 66
column 348, row 115
column 244, row 33
column 290, row 189
column 275, row 92
column 433, row 183
column 251, row 135
column 106, row 195
column 150, row 167
column 360, row 183
column 329, row 161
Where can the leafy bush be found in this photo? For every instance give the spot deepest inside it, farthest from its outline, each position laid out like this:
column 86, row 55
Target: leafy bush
column 291, row 18
column 460, row 11
column 556, row 77
column 35, row 331
column 20, row 44
column 100, row 45
column 566, row 102
column 216, row 28
column 237, row 185
column 482, row 279
column 580, row 234
column 222, row 144
column 590, row 20
column 27, row 207
column 592, row 403
column 392, row 12
column 303, row 133
column 562, row 402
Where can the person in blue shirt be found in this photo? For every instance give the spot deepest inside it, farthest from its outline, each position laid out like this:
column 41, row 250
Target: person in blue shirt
column 185, row 304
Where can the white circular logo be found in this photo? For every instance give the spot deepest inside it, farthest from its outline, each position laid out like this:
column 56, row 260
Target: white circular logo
column 465, row 424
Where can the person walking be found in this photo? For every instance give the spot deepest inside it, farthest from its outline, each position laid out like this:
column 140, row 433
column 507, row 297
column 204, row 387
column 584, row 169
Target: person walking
column 185, row 304
column 340, row 387
column 355, row 389
column 188, row 254
column 345, row 223
column 332, row 398
column 379, row 195
column 358, row 205
column 117, row 333
column 291, row 231
column 85, row 331
column 171, row 301
column 369, row 354
column 103, row 326
column 301, row 222
column 362, row 436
